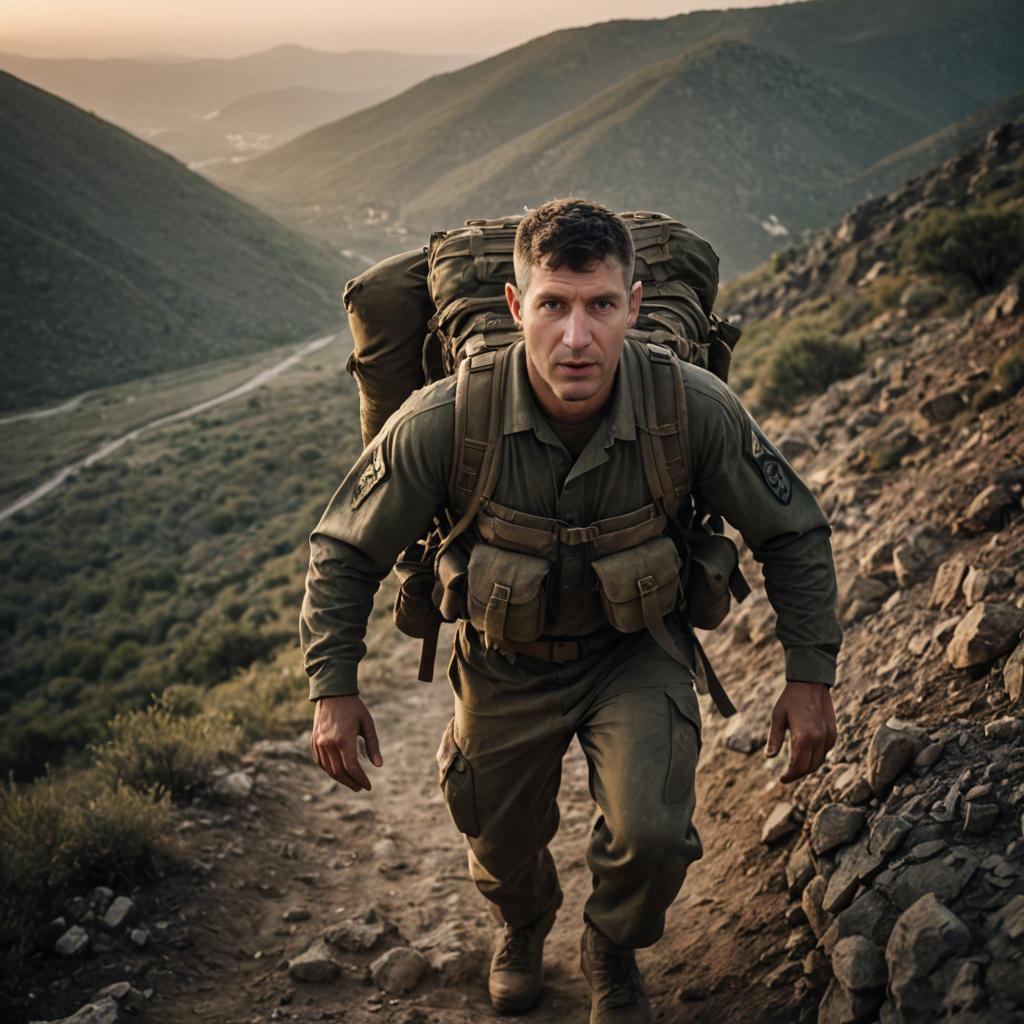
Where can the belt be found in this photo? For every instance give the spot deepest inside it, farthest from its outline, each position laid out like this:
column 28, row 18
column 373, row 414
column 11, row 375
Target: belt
column 561, row 651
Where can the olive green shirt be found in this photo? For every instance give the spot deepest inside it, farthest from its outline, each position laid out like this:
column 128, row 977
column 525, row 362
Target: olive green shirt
column 400, row 482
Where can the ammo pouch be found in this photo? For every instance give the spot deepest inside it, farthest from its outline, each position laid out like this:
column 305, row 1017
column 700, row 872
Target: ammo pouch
column 713, row 575
column 506, row 594
column 414, row 611
column 640, row 585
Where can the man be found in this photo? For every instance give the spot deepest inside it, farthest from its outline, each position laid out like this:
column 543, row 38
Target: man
column 571, row 422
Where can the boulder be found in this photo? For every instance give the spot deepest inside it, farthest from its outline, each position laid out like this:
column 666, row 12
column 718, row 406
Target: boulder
column 399, row 970
column 799, row 869
column 979, row 818
column 870, row 915
column 840, row 1005
column 988, row 630
column 988, row 510
column 835, row 825
column 811, row 901
column 891, row 751
column 780, row 822
column 316, row 964
column 948, row 579
column 887, row 834
column 942, row 877
column 859, row 964
column 854, row 865
column 1003, row 730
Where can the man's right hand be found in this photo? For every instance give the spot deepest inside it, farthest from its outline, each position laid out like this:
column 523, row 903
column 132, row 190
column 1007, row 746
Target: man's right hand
column 337, row 724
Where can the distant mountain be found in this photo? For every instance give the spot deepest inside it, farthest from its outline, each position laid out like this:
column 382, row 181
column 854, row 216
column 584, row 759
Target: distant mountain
column 169, row 101
column 117, row 262
column 747, row 123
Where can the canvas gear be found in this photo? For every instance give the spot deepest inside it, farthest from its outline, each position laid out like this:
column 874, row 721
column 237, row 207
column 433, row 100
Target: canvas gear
column 507, row 588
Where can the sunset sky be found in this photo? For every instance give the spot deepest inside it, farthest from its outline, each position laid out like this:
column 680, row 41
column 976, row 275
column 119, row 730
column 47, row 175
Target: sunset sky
column 228, row 28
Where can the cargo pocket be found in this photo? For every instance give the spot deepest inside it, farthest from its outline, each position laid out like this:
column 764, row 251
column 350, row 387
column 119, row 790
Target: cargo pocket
column 507, row 594
column 684, row 752
column 639, row 586
column 456, row 778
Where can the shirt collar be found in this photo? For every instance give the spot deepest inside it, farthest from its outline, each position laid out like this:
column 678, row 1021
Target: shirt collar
column 521, row 411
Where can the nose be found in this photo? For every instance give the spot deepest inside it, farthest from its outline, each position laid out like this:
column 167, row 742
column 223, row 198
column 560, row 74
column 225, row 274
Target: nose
column 577, row 334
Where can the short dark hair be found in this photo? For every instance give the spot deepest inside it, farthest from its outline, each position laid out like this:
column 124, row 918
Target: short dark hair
column 571, row 231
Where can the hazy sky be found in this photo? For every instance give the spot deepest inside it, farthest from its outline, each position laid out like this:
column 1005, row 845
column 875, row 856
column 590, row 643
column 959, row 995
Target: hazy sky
column 102, row 28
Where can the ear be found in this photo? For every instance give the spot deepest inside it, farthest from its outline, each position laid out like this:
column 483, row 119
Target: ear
column 514, row 305
column 636, row 293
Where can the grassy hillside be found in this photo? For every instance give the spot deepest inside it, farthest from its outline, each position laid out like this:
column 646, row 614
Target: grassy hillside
column 896, row 73
column 117, row 262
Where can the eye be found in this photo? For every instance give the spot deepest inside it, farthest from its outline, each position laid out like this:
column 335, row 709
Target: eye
column 552, row 304
column 604, row 304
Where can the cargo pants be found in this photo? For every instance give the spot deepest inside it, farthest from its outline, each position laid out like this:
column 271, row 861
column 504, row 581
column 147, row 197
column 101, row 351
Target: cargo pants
column 636, row 715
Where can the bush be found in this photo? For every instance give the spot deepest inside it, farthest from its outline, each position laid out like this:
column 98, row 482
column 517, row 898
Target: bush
column 214, row 655
column 64, row 833
column 805, row 364
column 981, row 249
column 263, row 704
column 158, row 752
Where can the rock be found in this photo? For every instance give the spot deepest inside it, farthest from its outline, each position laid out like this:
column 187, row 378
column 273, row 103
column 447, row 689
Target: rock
column 988, row 510
column 99, row 899
column 854, row 865
column 385, row 849
column 920, row 852
column 948, row 579
column 859, row 964
column 295, row 914
column 851, row 787
column 455, row 952
column 835, row 825
column 943, row 406
column 234, row 788
column 1010, row 918
column 864, row 596
column 988, row 630
column 870, row 915
column 1003, row 730
column 943, row 877
column 744, row 735
column 887, row 835
column 976, row 585
column 924, row 935
column 294, row 750
column 315, row 964
column 811, row 900
column 139, row 936
column 1008, row 303
column 979, row 818
column 914, row 558
column 73, row 942
column 799, row 869
column 398, row 970
column 779, row 822
column 359, row 934
column 965, row 993
column 104, row 1011
column 118, row 913
column 1013, row 674
column 890, row 754
column 842, row 1006
column 124, row 993
column 928, row 756
column 877, row 558
column 917, row 299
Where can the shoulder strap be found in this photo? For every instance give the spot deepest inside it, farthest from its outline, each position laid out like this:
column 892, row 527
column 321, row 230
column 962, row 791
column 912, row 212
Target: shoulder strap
column 665, row 440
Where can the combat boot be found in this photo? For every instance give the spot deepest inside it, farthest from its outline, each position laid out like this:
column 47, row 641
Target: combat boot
column 515, row 980
column 616, row 991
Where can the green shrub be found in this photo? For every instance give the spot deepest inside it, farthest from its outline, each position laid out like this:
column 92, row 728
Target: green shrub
column 221, row 522
column 160, row 752
column 213, row 655
column 264, row 702
column 803, row 365
column 64, row 833
column 981, row 248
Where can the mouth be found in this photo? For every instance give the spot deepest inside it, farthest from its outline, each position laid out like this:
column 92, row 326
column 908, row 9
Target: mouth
column 576, row 368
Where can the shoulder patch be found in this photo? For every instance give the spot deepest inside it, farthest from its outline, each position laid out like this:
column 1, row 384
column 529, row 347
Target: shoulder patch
column 374, row 472
column 772, row 466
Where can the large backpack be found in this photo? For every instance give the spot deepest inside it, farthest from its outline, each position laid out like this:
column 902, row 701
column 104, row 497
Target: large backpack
column 425, row 314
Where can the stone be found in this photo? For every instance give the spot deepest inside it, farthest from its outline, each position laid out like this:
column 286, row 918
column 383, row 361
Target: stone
column 943, row 877
column 385, row 848
column 925, row 935
column 316, row 964
column 942, row 407
column 124, row 993
column 455, row 952
column 139, row 937
column 1013, row 673
column 854, row 865
column 870, row 915
column 1010, row 918
column 744, row 734
column 979, row 818
column 118, row 912
column 965, row 993
column 988, row 510
column 864, row 596
column 99, row 899
column 359, row 934
column 859, row 964
column 799, row 869
column 890, row 754
column 73, row 942
column 399, row 970
column 778, row 823
column 840, row 1005
column 913, row 559
column 928, row 756
column 988, row 630
column 976, row 585
column 295, row 914
column 887, row 834
column 948, row 579
column 810, row 900
column 835, row 825
column 920, row 852
column 851, row 787
column 234, row 788
column 1003, row 730
column 103, row 1011
column 1008, row 303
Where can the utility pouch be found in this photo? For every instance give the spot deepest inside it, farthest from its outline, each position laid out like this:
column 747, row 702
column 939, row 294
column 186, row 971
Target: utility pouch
column 414, row 612
column 639, row 586
column 713, row 576
column 507, row 594
column 456, row 778
column 449, row 595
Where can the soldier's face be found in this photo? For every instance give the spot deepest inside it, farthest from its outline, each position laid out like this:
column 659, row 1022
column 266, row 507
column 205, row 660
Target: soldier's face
column 575, row 324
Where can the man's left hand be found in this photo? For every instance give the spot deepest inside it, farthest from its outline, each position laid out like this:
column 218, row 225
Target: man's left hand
column 805, row 709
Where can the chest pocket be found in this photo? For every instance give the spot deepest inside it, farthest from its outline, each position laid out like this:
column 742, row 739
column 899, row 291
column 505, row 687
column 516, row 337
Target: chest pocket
column 507, row 593
column 639, row 586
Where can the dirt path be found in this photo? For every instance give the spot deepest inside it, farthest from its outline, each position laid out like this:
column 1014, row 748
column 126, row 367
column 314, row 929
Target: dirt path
column 304, row 845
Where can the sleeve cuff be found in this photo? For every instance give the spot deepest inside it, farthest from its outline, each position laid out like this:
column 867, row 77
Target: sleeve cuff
column 810, row 665
column 337, row 681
